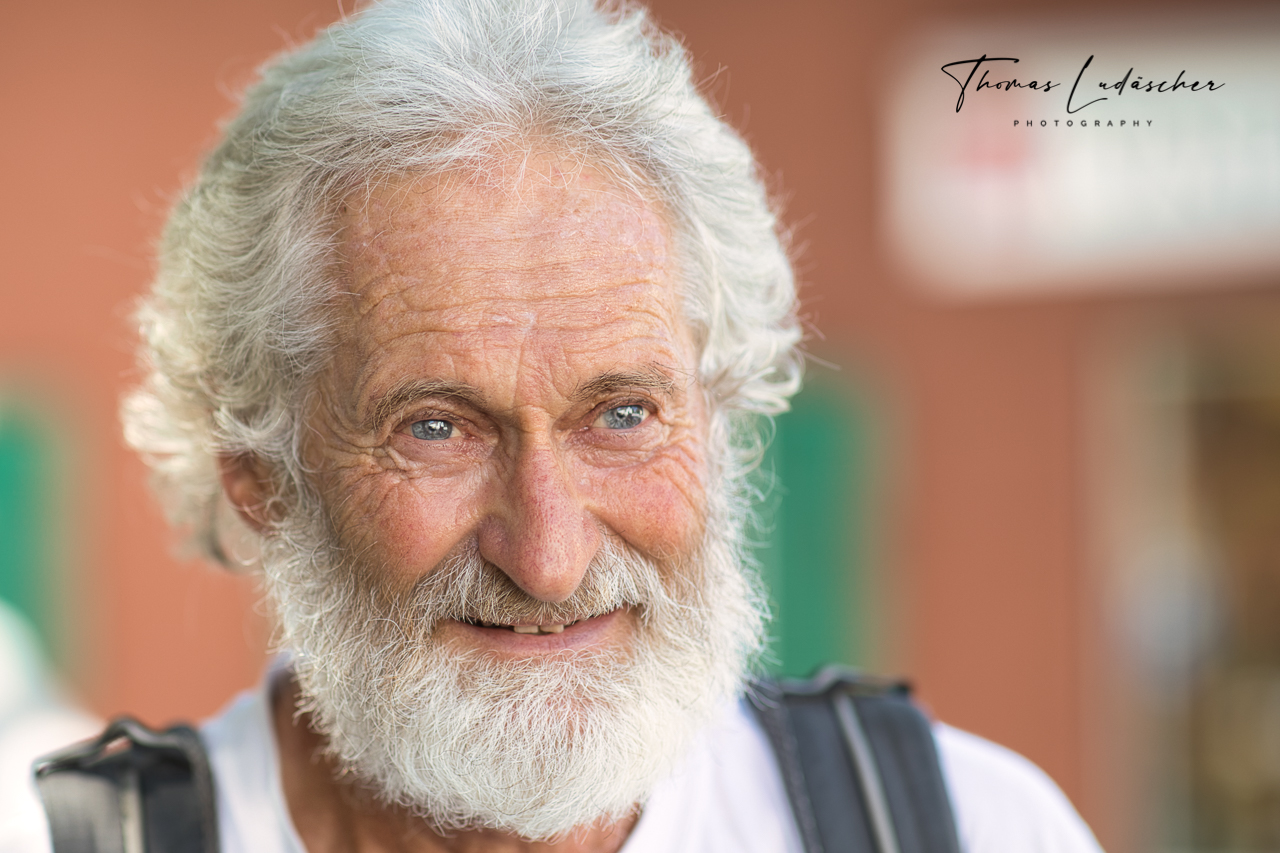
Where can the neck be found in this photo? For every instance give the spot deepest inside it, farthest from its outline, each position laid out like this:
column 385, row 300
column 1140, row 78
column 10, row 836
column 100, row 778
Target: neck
column 333, row 816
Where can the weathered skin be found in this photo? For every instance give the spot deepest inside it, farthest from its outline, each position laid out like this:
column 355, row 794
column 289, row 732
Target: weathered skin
column 521, row 310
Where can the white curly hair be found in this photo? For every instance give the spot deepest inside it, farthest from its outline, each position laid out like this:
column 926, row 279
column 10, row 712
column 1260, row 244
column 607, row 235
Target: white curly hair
column 235, row 328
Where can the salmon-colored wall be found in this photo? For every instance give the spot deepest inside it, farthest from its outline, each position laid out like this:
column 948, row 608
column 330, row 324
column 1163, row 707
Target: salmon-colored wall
column 106, row 106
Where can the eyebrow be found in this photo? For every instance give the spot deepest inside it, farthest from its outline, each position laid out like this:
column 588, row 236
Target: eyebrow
column 412, row 390
column 622, row 380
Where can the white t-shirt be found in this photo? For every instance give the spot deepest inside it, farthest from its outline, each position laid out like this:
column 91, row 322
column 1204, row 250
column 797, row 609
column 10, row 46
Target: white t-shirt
column 34, row 720
column 726, row 797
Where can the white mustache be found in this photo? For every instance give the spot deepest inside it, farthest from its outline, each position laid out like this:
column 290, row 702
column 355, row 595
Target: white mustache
column 467, row 588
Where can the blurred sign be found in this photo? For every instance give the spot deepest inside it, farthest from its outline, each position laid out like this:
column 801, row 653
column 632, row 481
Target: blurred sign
column 1059, row 156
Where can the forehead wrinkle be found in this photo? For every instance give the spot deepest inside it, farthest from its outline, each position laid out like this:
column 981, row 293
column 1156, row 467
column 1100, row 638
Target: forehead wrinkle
column 399, row 239
column 461, row 269
column 437, row 231
column 449, row 269
column 448, row 310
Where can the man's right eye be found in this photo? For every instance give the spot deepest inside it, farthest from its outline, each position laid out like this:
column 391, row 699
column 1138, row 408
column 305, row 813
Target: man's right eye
column 432, row 430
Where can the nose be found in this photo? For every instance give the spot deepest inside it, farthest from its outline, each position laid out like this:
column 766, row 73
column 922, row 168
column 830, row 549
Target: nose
column 539, row 530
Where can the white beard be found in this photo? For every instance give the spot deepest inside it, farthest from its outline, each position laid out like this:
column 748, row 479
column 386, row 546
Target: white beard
column 535, row 747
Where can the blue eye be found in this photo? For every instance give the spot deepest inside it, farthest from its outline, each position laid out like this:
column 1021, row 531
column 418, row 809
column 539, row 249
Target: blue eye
column 431, row 430
column 625, row 417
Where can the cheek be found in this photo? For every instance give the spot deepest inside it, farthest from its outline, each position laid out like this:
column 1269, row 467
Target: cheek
column 658, row 508
column 400, row 527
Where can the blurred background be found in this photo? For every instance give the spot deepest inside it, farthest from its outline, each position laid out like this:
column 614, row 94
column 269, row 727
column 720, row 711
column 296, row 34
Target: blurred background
column 1037, row 463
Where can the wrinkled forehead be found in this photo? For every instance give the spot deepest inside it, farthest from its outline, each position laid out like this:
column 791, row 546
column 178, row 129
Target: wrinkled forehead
column 486, row 231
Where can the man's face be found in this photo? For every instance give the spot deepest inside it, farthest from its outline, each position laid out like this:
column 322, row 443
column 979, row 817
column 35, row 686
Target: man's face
column 514, row 597
column 513, row 376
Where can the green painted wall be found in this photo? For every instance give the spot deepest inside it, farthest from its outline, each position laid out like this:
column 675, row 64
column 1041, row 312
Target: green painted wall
column 813, row 550
column 27, row 480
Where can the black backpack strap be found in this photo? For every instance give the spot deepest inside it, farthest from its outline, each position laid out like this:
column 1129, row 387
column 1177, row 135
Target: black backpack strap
column 130, row 790
column 859, row 763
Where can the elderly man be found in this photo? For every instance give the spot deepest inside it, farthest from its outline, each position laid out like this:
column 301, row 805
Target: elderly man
column 467, row 320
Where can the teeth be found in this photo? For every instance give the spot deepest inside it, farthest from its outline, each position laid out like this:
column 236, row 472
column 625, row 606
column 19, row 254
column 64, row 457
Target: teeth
column 524, row 629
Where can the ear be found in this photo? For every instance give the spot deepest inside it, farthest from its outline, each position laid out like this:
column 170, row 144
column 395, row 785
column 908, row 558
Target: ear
column 246, row 481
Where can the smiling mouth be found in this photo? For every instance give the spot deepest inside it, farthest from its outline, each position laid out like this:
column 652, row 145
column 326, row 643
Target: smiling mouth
column 547, row 628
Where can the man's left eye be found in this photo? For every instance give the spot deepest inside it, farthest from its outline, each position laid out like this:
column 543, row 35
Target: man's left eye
column 431, row 430
column 624, row 417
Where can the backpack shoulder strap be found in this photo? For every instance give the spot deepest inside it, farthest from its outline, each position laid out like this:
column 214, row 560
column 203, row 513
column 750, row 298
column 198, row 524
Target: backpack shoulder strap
column 130, row 790
column 859, row 763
